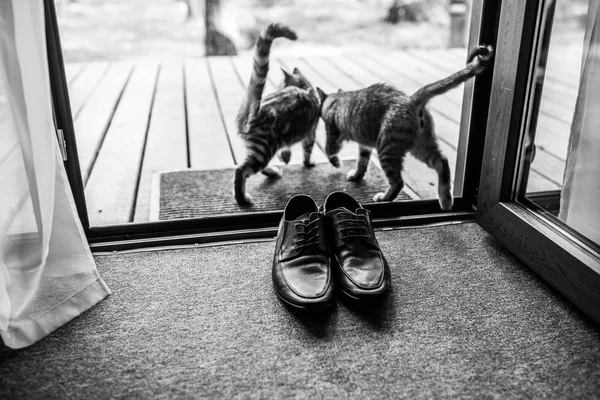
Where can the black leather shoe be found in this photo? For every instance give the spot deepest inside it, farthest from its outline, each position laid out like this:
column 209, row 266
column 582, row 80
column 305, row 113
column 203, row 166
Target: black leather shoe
column 362, row 270
column 301, row 264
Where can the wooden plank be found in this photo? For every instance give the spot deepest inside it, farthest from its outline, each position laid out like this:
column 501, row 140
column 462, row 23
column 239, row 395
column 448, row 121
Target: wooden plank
column 244, row 65
column 433, row 65
column 166, row 143
column 552, row 137
column 567, row 60
column 95, row 117
column 447, row 125
column 111, row 189
column 549, row 168
column 275, row 77
column 449, row 103
column 208, row 143
column 72, row 70
column 361, row 76
column 84, row 85
column 333, row 74
column 557, row 107
column 229, row 94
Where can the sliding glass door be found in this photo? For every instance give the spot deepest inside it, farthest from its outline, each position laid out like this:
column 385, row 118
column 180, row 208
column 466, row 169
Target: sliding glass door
column 148, row 116
column 539, row 192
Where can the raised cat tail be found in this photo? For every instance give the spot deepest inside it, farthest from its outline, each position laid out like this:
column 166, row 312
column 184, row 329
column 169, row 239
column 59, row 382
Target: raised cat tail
column 251, row 103
column 477, row 61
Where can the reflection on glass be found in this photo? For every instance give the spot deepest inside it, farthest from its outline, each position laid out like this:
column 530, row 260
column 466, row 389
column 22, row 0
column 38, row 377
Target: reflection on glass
column 564, row 177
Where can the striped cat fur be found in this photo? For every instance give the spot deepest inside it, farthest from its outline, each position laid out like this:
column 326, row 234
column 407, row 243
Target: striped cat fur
column 276, row 122
column 393, row 123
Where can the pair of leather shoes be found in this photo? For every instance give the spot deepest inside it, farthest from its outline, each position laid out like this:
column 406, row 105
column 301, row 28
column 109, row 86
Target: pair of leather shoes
column 318, row 249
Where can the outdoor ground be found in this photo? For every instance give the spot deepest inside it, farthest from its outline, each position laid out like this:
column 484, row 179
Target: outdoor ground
column 98, row 30
column 93, row 30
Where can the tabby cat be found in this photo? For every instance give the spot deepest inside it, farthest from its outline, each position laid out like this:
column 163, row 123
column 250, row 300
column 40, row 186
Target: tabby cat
column 393, row 123
column 276, row 122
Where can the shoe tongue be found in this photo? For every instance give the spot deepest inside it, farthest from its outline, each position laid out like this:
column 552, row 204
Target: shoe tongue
column 313, row 216
column 358, row 211
column 304, row 217
column 308, row 217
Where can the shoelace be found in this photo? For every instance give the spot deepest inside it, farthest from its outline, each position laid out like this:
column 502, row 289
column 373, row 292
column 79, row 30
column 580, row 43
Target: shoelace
column 308, row 236
column 351, row 226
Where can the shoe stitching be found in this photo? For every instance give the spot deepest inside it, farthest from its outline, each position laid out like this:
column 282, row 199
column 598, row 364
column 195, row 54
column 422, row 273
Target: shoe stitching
column 306, row 238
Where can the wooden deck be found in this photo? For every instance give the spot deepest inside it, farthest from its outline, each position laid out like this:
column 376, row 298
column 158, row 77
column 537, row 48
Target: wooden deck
column 133, row 120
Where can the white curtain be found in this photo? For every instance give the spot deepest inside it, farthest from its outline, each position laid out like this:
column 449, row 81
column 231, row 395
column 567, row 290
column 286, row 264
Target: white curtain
column 580, row 196
column 47, row 273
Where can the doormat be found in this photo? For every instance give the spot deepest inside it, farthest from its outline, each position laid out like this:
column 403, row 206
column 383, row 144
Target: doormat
column 195, row 193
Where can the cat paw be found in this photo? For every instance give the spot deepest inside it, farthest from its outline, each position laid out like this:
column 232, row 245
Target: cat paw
column 446, row 203
column 352, row 176
column 309, row 164
column 244, row 200
column 335, row 161
column 285, row 156
column 379, row 197
column 272, row 172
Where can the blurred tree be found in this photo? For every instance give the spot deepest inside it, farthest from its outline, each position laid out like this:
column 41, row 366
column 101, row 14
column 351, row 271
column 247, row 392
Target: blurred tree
column 405, row 10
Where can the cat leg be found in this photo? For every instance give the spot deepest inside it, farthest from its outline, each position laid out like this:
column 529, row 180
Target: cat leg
column 428, row 151
column 250, row 167
column 439, row 163
column 285, row 154
column 272, row 172
column 364, row 155
column 333, row 145
column 307, row 146
column 396, row 183
column 391, row 150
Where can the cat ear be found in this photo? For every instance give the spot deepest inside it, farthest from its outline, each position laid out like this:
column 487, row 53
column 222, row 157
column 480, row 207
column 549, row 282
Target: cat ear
column 322, row 94
column 339, row 90
column 296, row 70
column 285, row 73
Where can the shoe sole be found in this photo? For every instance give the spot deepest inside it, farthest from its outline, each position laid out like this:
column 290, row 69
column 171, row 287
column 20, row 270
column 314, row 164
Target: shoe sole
column 364, row 297
column 315, row 307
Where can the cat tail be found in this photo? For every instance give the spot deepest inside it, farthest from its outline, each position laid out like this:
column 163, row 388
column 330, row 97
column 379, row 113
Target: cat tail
column 251, row 102
column 477, row 62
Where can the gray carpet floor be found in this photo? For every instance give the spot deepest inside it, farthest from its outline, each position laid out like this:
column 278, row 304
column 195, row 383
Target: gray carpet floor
column 465, row 319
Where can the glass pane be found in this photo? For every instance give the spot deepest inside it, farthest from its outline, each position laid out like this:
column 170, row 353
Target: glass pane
column 564, row 177
column 155, row 103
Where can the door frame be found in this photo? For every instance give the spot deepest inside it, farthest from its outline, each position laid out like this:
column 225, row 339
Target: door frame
column 567, row 261
column 256, row 225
